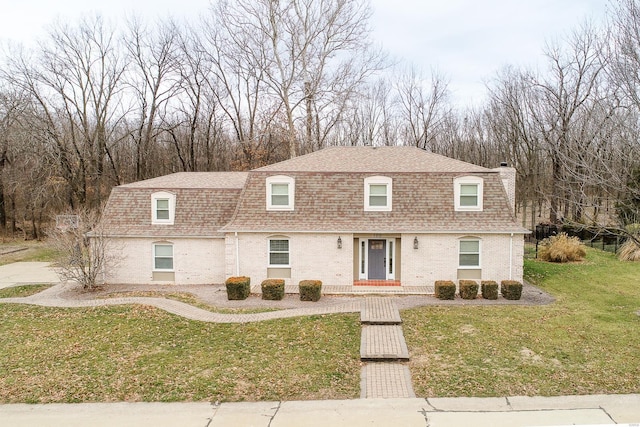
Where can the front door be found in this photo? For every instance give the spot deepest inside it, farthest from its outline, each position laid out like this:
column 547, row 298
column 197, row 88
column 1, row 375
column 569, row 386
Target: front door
column 377, row 260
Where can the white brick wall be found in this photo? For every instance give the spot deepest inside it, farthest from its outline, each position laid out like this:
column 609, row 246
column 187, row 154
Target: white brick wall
column 312, row 257
column 195, row 261
column 437, row 258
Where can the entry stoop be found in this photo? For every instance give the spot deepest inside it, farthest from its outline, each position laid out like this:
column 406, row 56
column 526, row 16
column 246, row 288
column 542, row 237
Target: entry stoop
column 380, row 311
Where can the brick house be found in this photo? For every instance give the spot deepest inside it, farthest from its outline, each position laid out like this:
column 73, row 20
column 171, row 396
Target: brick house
column 343, row 215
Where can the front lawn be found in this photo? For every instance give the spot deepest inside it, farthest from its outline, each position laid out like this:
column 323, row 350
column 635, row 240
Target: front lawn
column 585, row 343
column 139, row 353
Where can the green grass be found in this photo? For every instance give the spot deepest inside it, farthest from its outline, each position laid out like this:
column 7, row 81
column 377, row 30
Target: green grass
column 22, row 291
column 33, row 251
column 139, row 353
column 585, row 343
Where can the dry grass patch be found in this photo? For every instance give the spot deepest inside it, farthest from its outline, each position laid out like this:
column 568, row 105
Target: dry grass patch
column 187, row 298
column 561, row 248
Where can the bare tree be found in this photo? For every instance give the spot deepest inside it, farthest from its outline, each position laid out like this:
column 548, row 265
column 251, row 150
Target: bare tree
column 85, row 251
column 422, row 106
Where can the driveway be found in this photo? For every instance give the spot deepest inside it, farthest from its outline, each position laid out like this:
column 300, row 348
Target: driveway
column 24, row 273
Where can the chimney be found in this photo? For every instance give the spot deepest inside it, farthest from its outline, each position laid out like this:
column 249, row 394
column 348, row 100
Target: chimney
column 508, row 177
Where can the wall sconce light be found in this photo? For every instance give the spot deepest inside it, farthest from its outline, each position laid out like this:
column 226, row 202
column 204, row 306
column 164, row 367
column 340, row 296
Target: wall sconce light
column 339, row 243
column 415, row 242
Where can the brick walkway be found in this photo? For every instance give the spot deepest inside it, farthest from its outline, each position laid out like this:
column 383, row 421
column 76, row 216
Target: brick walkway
column 382, row 342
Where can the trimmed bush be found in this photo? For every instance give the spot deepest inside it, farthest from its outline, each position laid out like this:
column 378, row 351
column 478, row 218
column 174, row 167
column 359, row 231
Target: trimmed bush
column 310, row 290
column 561, row 248
column 445, row 289
column 273, row 289
column 238, row 288
column 468, row 289
column 489, row 289
column 511, row 289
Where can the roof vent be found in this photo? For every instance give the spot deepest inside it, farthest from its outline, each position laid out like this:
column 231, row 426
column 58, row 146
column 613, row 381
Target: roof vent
column 503, row 164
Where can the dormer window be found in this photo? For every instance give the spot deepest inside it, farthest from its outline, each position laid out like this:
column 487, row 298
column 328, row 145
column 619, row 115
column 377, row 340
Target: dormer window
column 378, row 192
column 280, row 193
column 163, row 206
column 468, row 193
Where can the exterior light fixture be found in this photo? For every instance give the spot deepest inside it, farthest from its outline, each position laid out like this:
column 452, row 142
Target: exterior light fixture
column 339, row 243
column 415, row 242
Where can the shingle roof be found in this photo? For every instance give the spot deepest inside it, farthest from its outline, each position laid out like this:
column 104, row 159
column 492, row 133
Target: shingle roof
column 217, row 180
column 372, row 159
column 205, row 201
column 334, row 202
column 329, row 197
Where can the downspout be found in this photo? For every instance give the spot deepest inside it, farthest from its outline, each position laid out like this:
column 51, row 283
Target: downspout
column 237, row 255
column 511, row 257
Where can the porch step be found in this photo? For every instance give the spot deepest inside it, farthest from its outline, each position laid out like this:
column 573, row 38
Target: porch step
column 383, row 343
column 380, row 311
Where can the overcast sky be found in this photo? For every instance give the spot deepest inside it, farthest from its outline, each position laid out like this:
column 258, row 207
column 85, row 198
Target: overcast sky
column 467, row 41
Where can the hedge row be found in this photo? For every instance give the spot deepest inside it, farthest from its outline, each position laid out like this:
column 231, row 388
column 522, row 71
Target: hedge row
column 239, row 288
column 468, row 289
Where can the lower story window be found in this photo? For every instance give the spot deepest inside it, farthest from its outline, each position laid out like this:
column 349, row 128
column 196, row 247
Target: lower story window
column 163, row 256
column 279, row 252
column 470, row 253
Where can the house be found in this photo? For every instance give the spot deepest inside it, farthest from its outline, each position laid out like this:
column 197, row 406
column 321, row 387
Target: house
column 343, row 215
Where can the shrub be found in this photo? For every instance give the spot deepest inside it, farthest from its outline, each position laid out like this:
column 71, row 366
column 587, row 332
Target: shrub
column 445, row 289
column 511, row 289
column 489, row 289
column 238, row 288
column 273, row 289
column 561, row 248
column 468, row 289
column 629, row 251
column 310, row 290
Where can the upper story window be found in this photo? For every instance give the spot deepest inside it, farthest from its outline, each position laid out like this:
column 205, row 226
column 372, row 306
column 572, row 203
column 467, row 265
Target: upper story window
column 468, row 192
column 378, row 192
column 163, row 206
column 469, row 253
column 280, row 193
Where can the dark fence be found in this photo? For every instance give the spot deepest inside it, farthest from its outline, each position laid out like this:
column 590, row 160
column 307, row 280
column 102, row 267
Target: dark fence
column 600, row 238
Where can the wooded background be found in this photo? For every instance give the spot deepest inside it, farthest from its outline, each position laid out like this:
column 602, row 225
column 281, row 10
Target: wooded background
column 96, row 105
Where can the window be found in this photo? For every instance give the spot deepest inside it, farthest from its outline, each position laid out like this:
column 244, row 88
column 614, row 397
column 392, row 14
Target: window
column 163, row 208
column 469, row 254
column 163, row 256
column 377, row 193
column 280, row 193
column 279, row 252
column 468, row 193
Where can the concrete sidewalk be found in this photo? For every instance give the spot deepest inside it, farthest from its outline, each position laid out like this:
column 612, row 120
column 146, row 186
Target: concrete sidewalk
column 478, row 412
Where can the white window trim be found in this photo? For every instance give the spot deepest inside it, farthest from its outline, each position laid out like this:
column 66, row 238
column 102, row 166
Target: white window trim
column 458, row 182
column 269, row 265
column 471, row 267
column 281, row 179
column 373, row 180
column 153, row 257
column 163, row 195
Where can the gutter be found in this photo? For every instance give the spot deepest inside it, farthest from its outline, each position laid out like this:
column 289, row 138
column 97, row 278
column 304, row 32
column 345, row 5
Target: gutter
column 237, row 255
column 511, row 257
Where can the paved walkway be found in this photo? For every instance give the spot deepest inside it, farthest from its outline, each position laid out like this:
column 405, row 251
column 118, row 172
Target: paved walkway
column 382, row 347
column 603, row 410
